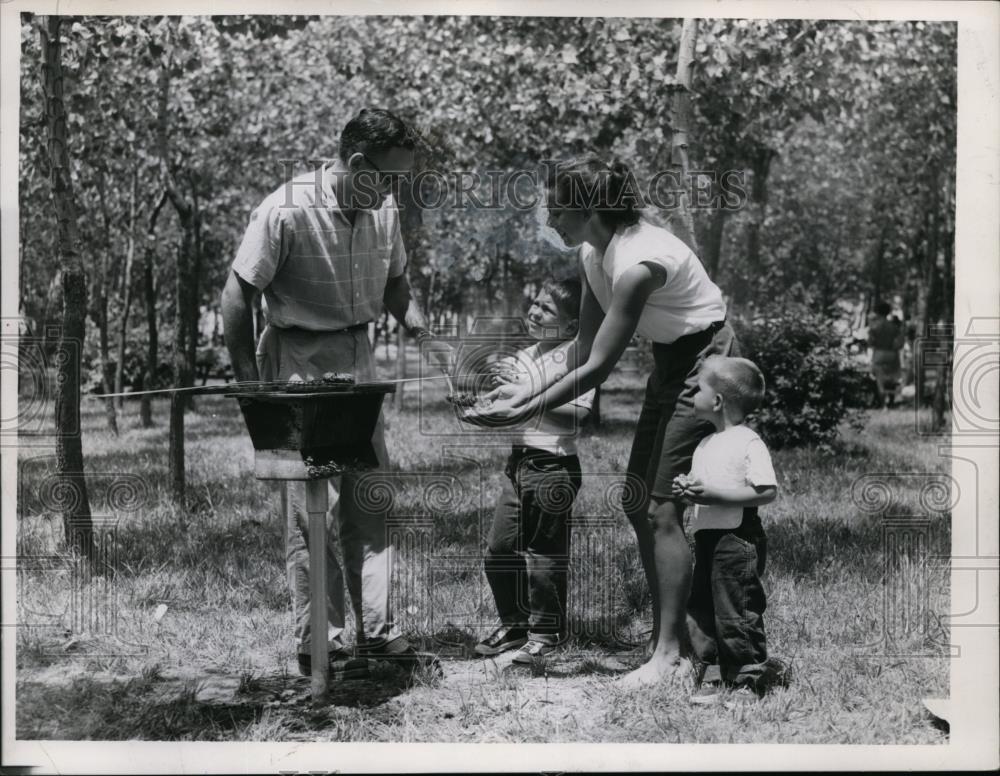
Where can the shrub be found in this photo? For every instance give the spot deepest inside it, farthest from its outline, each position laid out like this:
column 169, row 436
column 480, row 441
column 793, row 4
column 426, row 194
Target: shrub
column 813, row 384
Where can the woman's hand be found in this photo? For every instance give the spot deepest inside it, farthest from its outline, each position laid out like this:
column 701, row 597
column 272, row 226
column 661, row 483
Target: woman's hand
column 499, row 413
column 515, row 394
column 501, row 374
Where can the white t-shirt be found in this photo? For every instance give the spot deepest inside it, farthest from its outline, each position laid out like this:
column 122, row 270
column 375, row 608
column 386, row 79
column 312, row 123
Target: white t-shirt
column 546, row 433
column 687, row 302
column 729, row 459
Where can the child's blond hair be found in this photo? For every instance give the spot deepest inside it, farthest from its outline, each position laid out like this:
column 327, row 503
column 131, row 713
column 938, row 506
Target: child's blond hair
column 738, row 380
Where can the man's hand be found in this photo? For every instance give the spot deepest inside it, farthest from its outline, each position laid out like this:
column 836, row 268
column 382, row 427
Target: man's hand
column 438, row 354
column 245, row 371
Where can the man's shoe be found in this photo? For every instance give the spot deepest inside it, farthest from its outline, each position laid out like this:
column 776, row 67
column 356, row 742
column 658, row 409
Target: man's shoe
column 342, row 666
column 502, row 639
column 400, row 652
column 740, row 698
column 533, row 652
column 708, row 694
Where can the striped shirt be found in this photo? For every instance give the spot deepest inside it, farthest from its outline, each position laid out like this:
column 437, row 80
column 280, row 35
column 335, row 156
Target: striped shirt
column 316, row 270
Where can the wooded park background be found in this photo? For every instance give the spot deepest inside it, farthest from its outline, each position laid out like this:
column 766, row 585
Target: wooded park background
column 146, row 142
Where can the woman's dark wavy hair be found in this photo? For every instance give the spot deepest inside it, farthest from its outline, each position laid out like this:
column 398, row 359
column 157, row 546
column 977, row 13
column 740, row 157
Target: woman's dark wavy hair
column 588, row 183
column 374, row 130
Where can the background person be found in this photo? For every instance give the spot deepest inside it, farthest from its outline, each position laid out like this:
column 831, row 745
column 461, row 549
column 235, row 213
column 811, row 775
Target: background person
column 885, row 338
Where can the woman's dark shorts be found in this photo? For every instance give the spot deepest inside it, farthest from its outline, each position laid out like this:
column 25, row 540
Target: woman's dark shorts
column 668, row 431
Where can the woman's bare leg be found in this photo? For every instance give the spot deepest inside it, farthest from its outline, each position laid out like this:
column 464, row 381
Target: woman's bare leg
column 644, row 538
column 672, row 560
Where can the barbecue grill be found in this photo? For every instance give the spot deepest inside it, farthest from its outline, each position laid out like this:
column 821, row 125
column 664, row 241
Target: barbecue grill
column 308, row 431
column 311, row 432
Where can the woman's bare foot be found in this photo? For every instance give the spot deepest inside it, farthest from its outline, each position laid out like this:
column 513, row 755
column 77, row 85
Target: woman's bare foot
column 657, row 669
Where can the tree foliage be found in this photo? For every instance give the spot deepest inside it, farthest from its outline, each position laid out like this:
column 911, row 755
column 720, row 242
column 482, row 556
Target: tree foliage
column 843, row 133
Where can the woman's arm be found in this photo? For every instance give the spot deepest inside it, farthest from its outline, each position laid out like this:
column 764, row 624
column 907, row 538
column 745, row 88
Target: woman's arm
column 613, row 336
column 591, row 317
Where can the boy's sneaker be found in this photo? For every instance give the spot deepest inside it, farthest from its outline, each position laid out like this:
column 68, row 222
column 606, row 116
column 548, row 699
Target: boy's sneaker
column 504, row 638
column 707, row 694
column 740, row 698
column 342, row 666
column 532, row 652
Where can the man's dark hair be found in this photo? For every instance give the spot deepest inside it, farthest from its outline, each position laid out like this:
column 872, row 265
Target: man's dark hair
column 882, row 309
column 374, row 130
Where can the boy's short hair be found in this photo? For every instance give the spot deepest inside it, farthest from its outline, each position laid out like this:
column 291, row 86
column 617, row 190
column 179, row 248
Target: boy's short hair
column 738, row 380
column 882, row 309
column 375, row 130
column 567, row 294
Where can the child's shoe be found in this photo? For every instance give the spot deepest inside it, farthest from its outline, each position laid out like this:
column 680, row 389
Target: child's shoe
column 533, row 652
column 740, row 698
column 707, row 694
column 502, row 639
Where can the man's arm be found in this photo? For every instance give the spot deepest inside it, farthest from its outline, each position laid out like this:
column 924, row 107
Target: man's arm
column 404, row 308
column 399, row 301
column 237, row 325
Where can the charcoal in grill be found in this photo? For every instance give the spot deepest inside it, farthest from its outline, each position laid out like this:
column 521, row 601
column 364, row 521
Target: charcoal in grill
column 328, row 380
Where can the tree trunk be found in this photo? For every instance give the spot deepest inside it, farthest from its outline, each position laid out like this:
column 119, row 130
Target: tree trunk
column 149, row 293
column 107, row 371
column 877, row 265
column 713, row 242
column 99, row 313
column 193, row 316
column 77, row 522
column 126, row 292
column 945, row 239
column 681, row 121
column 185, row 297
column 183, row 368
column 760, row 167
column 400, row 366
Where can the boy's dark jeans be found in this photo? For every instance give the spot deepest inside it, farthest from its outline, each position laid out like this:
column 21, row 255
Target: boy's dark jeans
column 726, row 607
column 527, row 555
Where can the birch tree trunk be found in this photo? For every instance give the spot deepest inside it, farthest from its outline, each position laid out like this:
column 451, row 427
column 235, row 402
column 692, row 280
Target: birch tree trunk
column 681, row 120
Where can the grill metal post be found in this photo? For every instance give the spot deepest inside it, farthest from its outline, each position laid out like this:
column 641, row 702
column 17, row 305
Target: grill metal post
column 317, row 504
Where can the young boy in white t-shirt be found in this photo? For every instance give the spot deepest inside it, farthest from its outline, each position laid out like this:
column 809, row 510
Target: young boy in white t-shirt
column 527, row 554
column 731, row 475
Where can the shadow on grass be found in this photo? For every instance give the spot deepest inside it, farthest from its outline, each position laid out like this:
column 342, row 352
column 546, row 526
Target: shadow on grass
column 87, row 709
column 158, row 709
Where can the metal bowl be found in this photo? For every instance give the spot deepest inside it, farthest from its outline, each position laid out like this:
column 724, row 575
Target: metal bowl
column 313, row 435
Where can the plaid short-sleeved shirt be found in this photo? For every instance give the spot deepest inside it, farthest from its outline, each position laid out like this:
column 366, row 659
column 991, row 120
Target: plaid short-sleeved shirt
column 316, row 270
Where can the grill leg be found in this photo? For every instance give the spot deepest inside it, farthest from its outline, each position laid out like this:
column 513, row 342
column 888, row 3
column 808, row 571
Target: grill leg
column 317, row 504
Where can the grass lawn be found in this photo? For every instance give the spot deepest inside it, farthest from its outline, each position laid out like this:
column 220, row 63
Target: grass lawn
column 190, row 638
